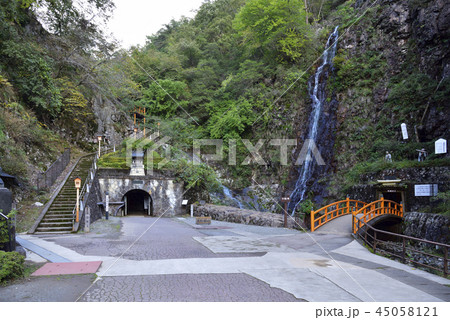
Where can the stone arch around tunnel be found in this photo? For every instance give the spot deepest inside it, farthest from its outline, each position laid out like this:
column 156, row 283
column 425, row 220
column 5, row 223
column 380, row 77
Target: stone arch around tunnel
column 137, row 202
column 166, row 193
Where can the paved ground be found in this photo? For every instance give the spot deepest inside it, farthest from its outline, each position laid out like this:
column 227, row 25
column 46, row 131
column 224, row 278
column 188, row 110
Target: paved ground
column 150, row 259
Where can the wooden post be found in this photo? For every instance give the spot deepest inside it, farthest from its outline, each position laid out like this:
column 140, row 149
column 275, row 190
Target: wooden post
column 348, row 205
column 353, row 223
column 374, row 241
column 286, row 201
column 445, row 262
column 404, row 251
column 312, row 220
column 78, row 205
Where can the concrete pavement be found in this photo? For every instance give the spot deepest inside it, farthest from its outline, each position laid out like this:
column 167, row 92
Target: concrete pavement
column 150, row 259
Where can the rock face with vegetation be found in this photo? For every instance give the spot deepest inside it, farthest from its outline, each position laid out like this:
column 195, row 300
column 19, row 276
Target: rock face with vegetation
column 238, row 71
column 432, row 227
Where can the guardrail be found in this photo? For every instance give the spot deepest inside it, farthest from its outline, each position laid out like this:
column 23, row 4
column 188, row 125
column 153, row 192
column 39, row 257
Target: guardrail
column 46, row 179
column 403, row 250
column 376, row 209
column 334, row 210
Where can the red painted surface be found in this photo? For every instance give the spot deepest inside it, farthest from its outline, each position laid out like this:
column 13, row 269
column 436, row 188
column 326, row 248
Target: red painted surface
column 50, row 269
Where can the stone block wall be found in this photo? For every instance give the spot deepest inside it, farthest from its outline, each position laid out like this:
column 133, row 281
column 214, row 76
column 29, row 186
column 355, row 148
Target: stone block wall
column 244, row 216
column 166, row 193
column 433, row 227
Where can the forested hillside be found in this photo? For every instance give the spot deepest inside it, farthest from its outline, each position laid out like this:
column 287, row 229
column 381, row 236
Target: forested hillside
column 240, row 69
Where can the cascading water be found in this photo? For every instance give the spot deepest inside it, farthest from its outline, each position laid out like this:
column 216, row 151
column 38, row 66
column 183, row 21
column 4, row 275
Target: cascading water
column 318, row 97
column 229, row 195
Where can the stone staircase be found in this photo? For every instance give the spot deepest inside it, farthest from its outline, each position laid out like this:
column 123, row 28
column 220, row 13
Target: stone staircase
column 58, row 218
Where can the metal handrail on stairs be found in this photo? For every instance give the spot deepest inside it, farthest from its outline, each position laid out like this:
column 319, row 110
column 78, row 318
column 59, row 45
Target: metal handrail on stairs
column 85, row 190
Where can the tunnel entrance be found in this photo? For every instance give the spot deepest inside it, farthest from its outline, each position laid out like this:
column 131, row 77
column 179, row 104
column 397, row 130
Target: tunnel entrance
column 138, row 202
column 393, row 196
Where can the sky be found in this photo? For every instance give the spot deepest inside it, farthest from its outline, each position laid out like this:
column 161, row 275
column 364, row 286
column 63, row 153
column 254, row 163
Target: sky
column 133, row 20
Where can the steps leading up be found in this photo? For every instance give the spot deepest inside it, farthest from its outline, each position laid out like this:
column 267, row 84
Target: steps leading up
column 58, row 218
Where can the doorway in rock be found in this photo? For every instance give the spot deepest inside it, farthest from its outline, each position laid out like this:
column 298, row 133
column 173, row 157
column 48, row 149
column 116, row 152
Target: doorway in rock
column 393, row 196
column 138, row 202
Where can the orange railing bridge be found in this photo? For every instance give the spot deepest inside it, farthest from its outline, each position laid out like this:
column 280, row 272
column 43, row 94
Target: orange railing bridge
column 364, row 211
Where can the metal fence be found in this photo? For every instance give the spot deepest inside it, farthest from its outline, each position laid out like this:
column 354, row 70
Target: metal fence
column 430, row 255
column 7, row 233
column 46, row 179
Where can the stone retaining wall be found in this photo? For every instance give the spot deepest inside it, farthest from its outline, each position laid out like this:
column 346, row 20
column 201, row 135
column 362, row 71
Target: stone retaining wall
column 244, row 216
column 433, row 227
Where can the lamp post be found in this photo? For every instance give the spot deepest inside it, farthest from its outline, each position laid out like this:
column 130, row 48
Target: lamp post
column 285, row 200
column 78, row 186
column 99, row 138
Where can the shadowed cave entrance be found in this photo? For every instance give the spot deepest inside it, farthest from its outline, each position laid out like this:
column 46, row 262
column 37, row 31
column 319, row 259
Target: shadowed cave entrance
column 138, row 202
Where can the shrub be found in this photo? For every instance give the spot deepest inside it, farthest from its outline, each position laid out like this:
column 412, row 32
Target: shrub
column 11, row 266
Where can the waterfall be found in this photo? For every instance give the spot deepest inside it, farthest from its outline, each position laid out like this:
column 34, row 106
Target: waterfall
column 318, row 97
column 227, row 193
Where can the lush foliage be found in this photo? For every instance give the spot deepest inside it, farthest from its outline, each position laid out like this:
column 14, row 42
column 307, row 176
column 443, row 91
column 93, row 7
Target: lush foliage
column 277, row 28
column 200, row 177
column 11, row 266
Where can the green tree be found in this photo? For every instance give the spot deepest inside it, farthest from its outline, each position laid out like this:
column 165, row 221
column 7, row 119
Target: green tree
column 274, row 26
column 164, row 97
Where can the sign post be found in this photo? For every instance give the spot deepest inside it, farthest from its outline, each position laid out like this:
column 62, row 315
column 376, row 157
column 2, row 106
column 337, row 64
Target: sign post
column 404, row 131
column 78, row 186
column 425, row 190
column 107, row 205
column 99, row 138
column 440, row 146
column 285, row 200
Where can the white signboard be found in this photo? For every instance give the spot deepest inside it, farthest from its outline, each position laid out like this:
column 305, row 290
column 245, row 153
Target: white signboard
column 404, row 131
column 440, row 146
column 107, row 203
column 425, row 190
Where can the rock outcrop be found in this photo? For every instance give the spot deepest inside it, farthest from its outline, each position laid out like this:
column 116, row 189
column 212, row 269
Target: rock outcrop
column 433, row 227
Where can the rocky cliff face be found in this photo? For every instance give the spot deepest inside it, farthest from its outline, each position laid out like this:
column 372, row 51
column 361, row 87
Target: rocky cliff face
column 392, row 67
column 111, row 121
column 432, row 227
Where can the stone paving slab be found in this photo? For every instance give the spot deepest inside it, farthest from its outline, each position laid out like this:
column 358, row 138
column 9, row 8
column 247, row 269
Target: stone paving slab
column 66, row 288
column 40, row 251
column 304, row 284
column 52, row 269
column 186, row 288
column 370, row 286
column 239, row 244
column 354, row 249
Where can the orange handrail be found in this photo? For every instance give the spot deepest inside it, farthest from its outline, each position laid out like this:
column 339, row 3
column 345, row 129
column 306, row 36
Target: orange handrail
column 334, row 210
column 376, row 209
